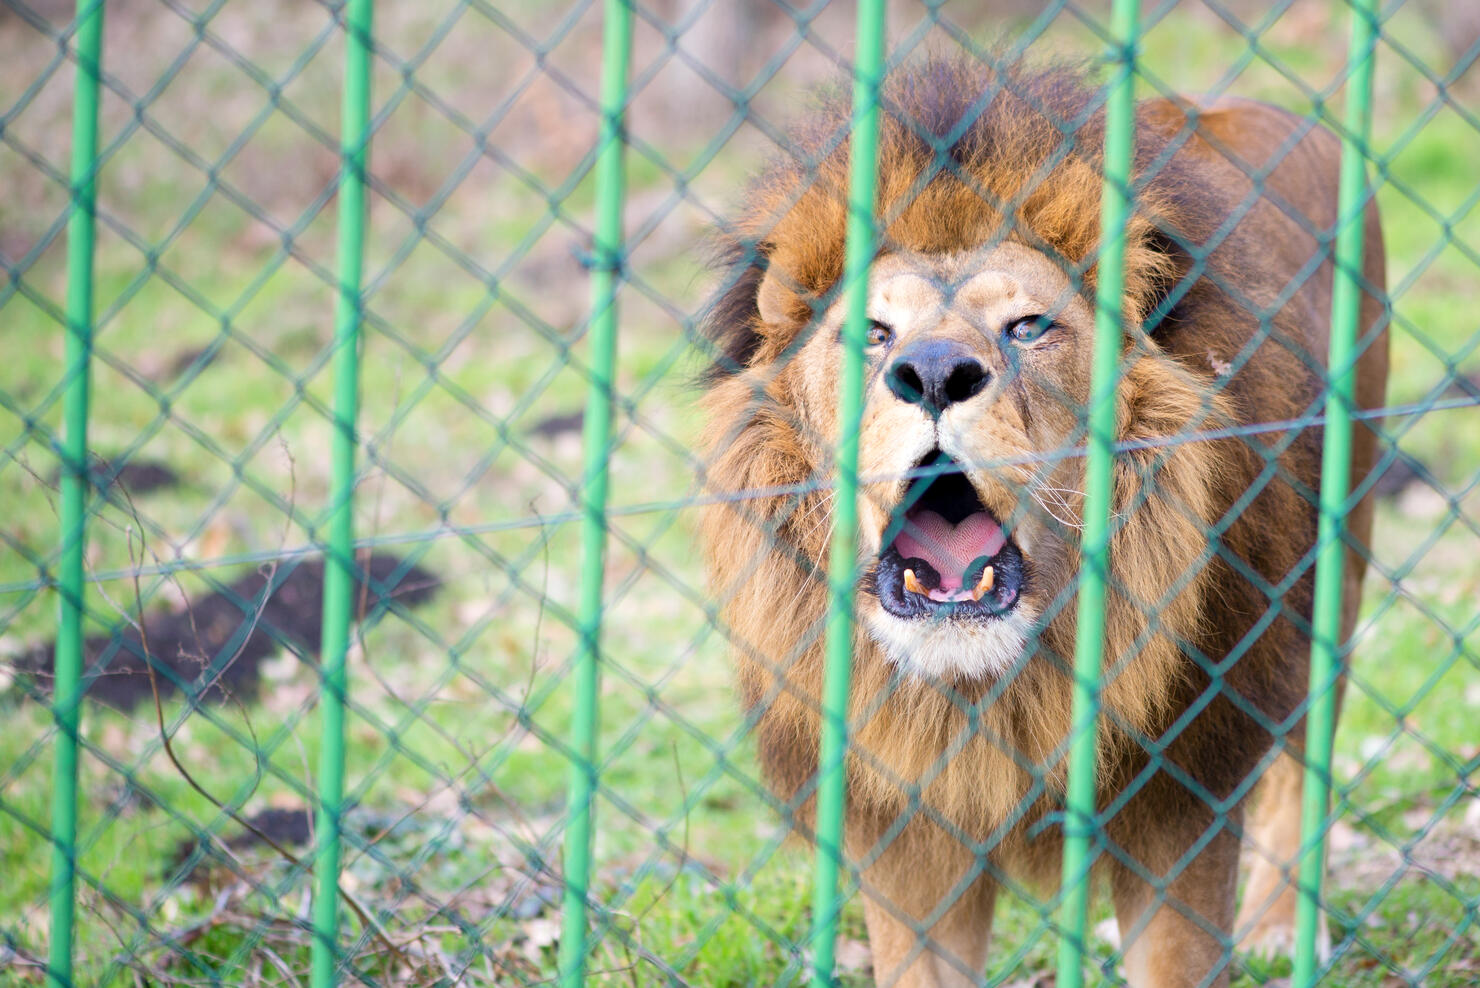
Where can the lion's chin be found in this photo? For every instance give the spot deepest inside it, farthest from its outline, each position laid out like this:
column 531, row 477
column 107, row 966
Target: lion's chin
column 947, row 650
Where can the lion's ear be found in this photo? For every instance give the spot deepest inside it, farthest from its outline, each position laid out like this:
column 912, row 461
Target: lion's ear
column 728, row 330
column 759, row 294
column 779, row 301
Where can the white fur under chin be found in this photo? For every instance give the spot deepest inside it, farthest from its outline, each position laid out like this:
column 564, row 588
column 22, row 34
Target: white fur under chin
column 945, row 650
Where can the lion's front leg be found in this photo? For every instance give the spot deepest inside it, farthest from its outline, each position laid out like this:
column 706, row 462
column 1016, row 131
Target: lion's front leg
column 928, row 908
column 1266, row 921
column 1176, row 915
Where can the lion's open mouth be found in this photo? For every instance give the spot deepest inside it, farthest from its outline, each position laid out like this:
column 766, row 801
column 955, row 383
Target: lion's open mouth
column 944, row 554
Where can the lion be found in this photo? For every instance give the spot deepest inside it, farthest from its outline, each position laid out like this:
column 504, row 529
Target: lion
column 980, row 307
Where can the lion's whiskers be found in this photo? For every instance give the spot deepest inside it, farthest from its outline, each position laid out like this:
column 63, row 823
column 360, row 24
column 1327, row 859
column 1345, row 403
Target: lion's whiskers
column 825, row 501
column 1056, row 496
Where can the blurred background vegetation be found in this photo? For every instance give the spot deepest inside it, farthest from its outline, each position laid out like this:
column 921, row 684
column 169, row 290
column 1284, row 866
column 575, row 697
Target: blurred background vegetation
column 214, row 301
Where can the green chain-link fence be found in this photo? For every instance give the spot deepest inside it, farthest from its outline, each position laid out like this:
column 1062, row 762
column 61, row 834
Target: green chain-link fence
column 385, row 650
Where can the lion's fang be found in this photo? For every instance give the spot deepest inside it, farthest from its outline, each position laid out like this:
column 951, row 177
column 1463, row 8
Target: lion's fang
column 984, row 585
column 912, row 583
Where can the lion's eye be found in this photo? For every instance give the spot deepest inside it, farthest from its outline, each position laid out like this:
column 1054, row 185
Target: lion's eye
column 1028, row 329
column 877, row 333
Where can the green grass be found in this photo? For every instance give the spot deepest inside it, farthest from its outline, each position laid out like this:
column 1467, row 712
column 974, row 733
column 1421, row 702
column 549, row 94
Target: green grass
column 459, row 710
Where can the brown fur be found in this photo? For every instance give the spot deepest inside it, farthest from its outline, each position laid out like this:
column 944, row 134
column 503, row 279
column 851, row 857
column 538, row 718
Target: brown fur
column 980, row 762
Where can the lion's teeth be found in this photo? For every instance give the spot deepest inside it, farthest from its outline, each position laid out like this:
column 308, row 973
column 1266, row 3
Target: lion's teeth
column 984, row 585
column 912, row 583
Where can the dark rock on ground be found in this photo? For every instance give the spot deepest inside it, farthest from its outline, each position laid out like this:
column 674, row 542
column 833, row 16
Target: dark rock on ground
column 214, row 648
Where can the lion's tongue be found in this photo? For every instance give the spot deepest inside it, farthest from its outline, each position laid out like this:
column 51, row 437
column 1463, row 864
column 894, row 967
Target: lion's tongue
column 948, row 548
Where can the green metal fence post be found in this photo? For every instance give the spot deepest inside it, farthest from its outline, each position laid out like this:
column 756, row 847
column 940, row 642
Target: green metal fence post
column 1115, row 207
column 605, row 276
column 1336, row 454
column 339, row 567
column 843, row 553
column 67, row 695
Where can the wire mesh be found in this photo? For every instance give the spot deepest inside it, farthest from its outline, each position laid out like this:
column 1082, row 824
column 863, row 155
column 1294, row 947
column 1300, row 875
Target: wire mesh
column 205, row 793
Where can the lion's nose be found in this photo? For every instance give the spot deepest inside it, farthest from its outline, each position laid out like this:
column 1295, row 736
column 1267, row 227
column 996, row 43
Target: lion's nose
column 936, row 374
